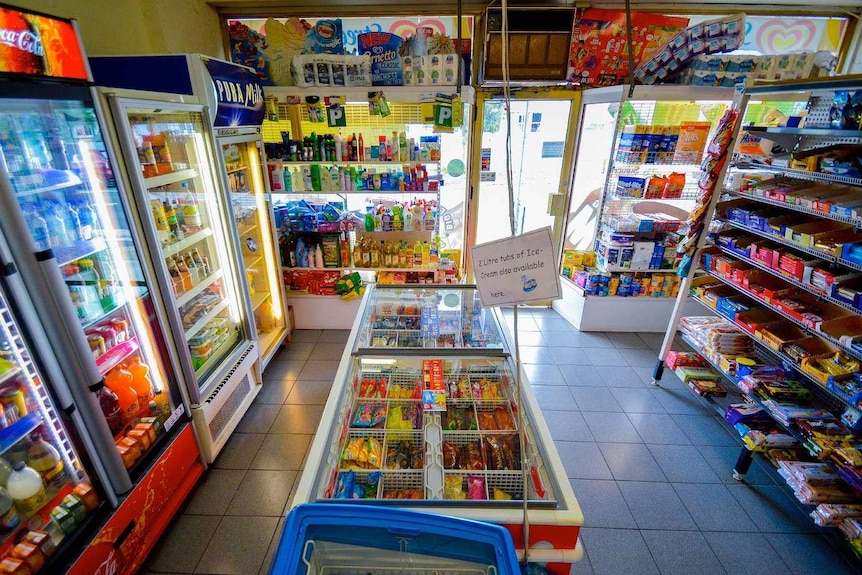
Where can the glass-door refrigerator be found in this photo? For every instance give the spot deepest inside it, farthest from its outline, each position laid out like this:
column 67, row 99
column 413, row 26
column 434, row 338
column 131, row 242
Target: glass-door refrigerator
column 71, row 244
column 170, row 160
column 234, row 102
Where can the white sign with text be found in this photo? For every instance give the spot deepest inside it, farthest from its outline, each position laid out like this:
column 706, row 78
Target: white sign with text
column 519, row 269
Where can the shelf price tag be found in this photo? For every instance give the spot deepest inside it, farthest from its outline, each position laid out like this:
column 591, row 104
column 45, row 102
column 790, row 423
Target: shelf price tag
column 519, row 269
column 434, row 391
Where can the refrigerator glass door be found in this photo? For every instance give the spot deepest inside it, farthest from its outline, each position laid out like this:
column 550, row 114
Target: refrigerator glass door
column 428, row 318
column 60, row 172
column 251, row 214
column 187, row 220
column 33, row 432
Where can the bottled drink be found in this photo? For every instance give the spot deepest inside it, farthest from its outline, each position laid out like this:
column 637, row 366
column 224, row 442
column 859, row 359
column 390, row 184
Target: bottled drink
column 44, row 458
column 107, row 281
column 5, row 472
column 87, row 217
column 366, row 254
column 110, row 404
column 196, row 270
column 417, row 255
column 387, row 255
column 190, row 208
column 200, row 262
column 38, row 229
column 179, row 210
column 357, row 255
column 163, row 404
column 160, row 216
column 184, row 273
column 57, row 229
column 119, row 380
column 141, row 382
column 426, row 255
column 9, row 519
column 176, row 277
column 375, row 255
column 27, row 489
column 405, row 258
column 91, row 277
column 84, row 293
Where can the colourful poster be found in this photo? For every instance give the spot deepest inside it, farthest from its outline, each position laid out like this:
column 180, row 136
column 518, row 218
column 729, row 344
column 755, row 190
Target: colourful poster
column 39, row 45
column 599, row 54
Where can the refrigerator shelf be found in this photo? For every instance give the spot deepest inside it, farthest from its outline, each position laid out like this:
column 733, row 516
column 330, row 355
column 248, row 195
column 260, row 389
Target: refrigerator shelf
column 117, row 355
column 243, row 231
column 11, row 435
column 258, row 298
column 201, row 286
column 9, row 374
column 171, row 178
column 88, row 323
column 235, row 170
column 253, row 263
column 68, row 254
column 47, row 189
column 199, row 324
column 185, row 243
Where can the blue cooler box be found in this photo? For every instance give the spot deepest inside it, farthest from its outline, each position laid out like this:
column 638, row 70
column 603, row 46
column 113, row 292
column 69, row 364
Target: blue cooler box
column 336, row 539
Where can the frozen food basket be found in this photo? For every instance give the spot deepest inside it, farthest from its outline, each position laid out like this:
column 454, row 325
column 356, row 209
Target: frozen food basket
column 336, row 539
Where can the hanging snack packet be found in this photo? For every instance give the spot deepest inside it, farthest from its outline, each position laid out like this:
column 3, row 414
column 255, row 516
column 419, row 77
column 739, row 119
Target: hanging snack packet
column 471, row 456
column 655, row 187
column 674, row 186
column 451, row 456
column 476, row 487
column 453, row 487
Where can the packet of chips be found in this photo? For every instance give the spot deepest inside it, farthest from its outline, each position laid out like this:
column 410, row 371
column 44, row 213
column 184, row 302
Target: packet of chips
column 453, row 487
column 476, row 487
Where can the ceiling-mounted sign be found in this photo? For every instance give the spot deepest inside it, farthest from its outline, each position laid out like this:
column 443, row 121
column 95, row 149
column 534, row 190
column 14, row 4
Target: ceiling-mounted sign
column 239, row 95
column 519, row 269
column 39, row 45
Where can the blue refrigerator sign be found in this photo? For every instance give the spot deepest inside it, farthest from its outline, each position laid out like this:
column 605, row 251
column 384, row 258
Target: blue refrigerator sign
column 239, row 95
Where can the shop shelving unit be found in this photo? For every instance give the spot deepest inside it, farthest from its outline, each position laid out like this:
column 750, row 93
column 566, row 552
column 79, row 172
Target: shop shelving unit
column 608, row 118
column 833, row 322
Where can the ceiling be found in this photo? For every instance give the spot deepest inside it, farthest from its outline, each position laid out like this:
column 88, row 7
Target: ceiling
column 372, row 7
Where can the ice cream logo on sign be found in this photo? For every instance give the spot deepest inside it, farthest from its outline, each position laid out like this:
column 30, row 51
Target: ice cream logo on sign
column 778, row 36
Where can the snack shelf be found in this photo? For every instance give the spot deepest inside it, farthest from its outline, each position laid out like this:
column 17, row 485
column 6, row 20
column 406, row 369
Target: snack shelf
column 11, row 435
column 171, row 178
column 363, row 162
column 646, row 168
column 617, row 269
column 823, row 132
column 819, row 388
column 117, row 355
column 82, row 249
column 780, row 240
column 795, row 208
column 356, row 192
column 287, row 269
column 199, row 324
column 48, row 189
column 802, row 174
column 792, row 281
column 185, row 243
column 199, row 287
column 806, row 328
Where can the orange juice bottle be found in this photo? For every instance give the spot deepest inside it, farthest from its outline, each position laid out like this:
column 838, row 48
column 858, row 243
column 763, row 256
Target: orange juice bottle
column 141, row 383
column 119, row 380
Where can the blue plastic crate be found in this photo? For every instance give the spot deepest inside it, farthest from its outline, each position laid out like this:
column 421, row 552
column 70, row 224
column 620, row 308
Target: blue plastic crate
column 336, row 539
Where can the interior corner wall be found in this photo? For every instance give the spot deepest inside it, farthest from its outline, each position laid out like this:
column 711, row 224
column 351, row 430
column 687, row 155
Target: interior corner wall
column 140, row 26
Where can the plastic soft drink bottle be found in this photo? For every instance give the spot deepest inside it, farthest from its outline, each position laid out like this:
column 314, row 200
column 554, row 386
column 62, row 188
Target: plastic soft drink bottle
column 44, row 458
column 110, row 405
column 141, row 383
column 119, row 380
column 26, row 488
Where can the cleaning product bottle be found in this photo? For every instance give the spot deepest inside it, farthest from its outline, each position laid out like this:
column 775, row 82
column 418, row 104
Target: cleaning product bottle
column 434, row 253
column 318, row 257
column 296, row 177
column 301, row 254
column 26, row 489
column 408, row 218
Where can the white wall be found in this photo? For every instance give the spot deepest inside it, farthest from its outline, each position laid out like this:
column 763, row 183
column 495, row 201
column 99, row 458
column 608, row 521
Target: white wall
column 140, row 26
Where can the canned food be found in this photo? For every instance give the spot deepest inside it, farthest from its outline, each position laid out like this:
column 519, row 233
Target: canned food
column 97, row 344
column 121, row 326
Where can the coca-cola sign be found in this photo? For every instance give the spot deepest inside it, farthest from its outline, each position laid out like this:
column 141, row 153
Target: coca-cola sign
column 39, row 45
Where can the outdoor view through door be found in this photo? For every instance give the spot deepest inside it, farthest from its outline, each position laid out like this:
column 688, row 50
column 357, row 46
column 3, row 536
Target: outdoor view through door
column 539, row 132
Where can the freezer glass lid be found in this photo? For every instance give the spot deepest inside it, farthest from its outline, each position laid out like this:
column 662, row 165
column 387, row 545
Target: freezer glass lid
column 428, row 318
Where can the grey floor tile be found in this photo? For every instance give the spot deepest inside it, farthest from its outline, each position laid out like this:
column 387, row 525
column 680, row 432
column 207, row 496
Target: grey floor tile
column 658, row 428
column 258, row 418
column 607, row 427
column 595, row 399
column 294, row 351
column 567, row 426
column 262, row 493
column 808, row 554
column 282, row 451
column 570, row 356
column 214, row 491
column 713, row 508
column 656, row 506
column 547, row 325
column 606, row 356
column 631, row 462
column 326, row 351
column 306, row 335
column 540, row 374
column 554, row 397
column 542, row 312
column 239, row 451
column 583, row 460
column 653, row 340
column 296, row 418
column 623, row 340
column 602, row 504
column 334, row 336
column 541, row 355
column 746, row 553
column 238, row 546
column 283, row 370
column 772, row 509
column 309, row 392
column 561, row 339
column 592, row 339
column 682, row 553
column 637, row 400
column 525, row 323
column 266, row 566
column 683, row 464
column 318, row 370
column 582, row 567
column 534, row 338
column 722, row 460
column 274, row 391
column 680, row 400
column 707, row 430
column 619, row 376
column 581, row 376
column 640, row 357
column 605, row 546
column 183, row 544
column 668, row 380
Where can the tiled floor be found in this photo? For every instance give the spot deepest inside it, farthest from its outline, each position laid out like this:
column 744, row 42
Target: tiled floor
column 649, row 465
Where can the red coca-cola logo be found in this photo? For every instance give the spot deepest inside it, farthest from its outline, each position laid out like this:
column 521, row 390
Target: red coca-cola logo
column 24, row 40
